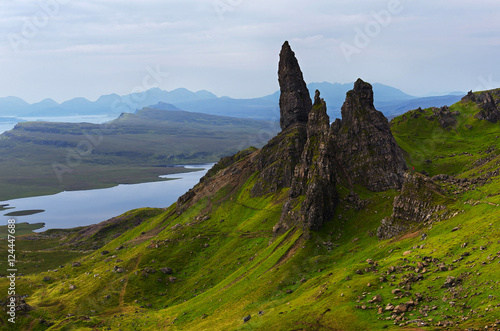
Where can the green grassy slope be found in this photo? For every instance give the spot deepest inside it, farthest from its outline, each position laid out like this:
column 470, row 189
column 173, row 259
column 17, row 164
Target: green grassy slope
column 451, row 150
column 227, row 264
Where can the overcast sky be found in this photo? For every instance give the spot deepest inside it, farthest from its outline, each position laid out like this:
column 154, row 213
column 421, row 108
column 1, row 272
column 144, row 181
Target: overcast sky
column 62, row 49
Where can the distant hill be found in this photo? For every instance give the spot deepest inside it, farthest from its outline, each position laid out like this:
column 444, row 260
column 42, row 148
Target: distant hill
column 38, row 158
column 389, row 100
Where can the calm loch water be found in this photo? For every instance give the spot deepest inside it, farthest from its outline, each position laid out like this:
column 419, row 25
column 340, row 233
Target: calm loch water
column 80, row 208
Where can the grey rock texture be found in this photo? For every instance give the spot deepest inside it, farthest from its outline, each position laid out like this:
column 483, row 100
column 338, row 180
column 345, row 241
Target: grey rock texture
column 365, row 147
column 489, row 108
column 310, row 157
column 488, row 102
column 314, row 177
column 417, row 204
column 295, row 102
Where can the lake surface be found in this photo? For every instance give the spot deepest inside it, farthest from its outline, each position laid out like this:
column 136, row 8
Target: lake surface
column 79, row 208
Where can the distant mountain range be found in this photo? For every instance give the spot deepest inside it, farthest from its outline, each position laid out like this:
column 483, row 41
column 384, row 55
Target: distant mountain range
column 389, row 100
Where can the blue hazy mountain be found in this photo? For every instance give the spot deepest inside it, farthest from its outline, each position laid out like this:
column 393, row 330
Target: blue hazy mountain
column 391, row 101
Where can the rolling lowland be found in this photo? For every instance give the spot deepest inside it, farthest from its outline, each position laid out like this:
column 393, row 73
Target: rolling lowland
column 362, row 224
column 39, row 158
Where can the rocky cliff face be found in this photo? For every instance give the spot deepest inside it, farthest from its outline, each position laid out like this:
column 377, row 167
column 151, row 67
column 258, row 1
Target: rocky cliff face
column 295, row 102
column 313, row 196
column 278, row 159
column 417, row 204
column 487, row 103
column 490, row 110
column 365, row 146
column 310, row 157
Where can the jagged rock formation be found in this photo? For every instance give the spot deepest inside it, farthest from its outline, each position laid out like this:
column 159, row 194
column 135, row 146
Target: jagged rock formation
column 445, row 117
column 489, row 109
column 365, row 146
column 417, row 204
column 314, row 177
column 489, row 106
column 309, row 156
column 278, row 159
column 469, row 97
column 295, row 102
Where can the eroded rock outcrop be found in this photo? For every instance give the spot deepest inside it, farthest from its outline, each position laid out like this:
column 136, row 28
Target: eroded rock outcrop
column 469, row 97
column 314, row 184
column 421, row 198
column 445, row 117
column 489, row 109
column 295, row 102
column 486, row 102
column 309, row 156
column 365, row 147
column 277, row 160
column 280, row 156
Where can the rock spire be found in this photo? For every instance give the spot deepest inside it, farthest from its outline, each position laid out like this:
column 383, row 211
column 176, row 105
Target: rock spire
column 366, row 149
column 295, row 102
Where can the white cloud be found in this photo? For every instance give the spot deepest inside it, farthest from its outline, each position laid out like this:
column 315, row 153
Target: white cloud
column 425, row 46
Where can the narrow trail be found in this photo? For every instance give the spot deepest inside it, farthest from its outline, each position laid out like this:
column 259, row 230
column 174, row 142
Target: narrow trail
column 122, row 293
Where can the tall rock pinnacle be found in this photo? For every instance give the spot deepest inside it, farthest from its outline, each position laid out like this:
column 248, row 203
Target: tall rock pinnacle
column 314, row 182
column 295, row 102
column 366, row 147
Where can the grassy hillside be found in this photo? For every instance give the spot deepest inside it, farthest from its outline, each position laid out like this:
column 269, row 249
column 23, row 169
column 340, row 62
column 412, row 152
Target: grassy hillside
column 42, row 158
column 218, row 265
column 452, row 149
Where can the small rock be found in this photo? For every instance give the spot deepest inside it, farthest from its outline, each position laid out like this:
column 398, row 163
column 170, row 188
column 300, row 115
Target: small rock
column 389, row 307
column 450, row 282
column 401, row 308
column 167, row 271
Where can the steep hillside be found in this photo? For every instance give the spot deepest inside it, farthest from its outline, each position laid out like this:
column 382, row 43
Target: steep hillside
column 323, row 228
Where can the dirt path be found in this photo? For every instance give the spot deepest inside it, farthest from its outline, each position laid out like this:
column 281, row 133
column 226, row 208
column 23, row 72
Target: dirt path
column 122, row 293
